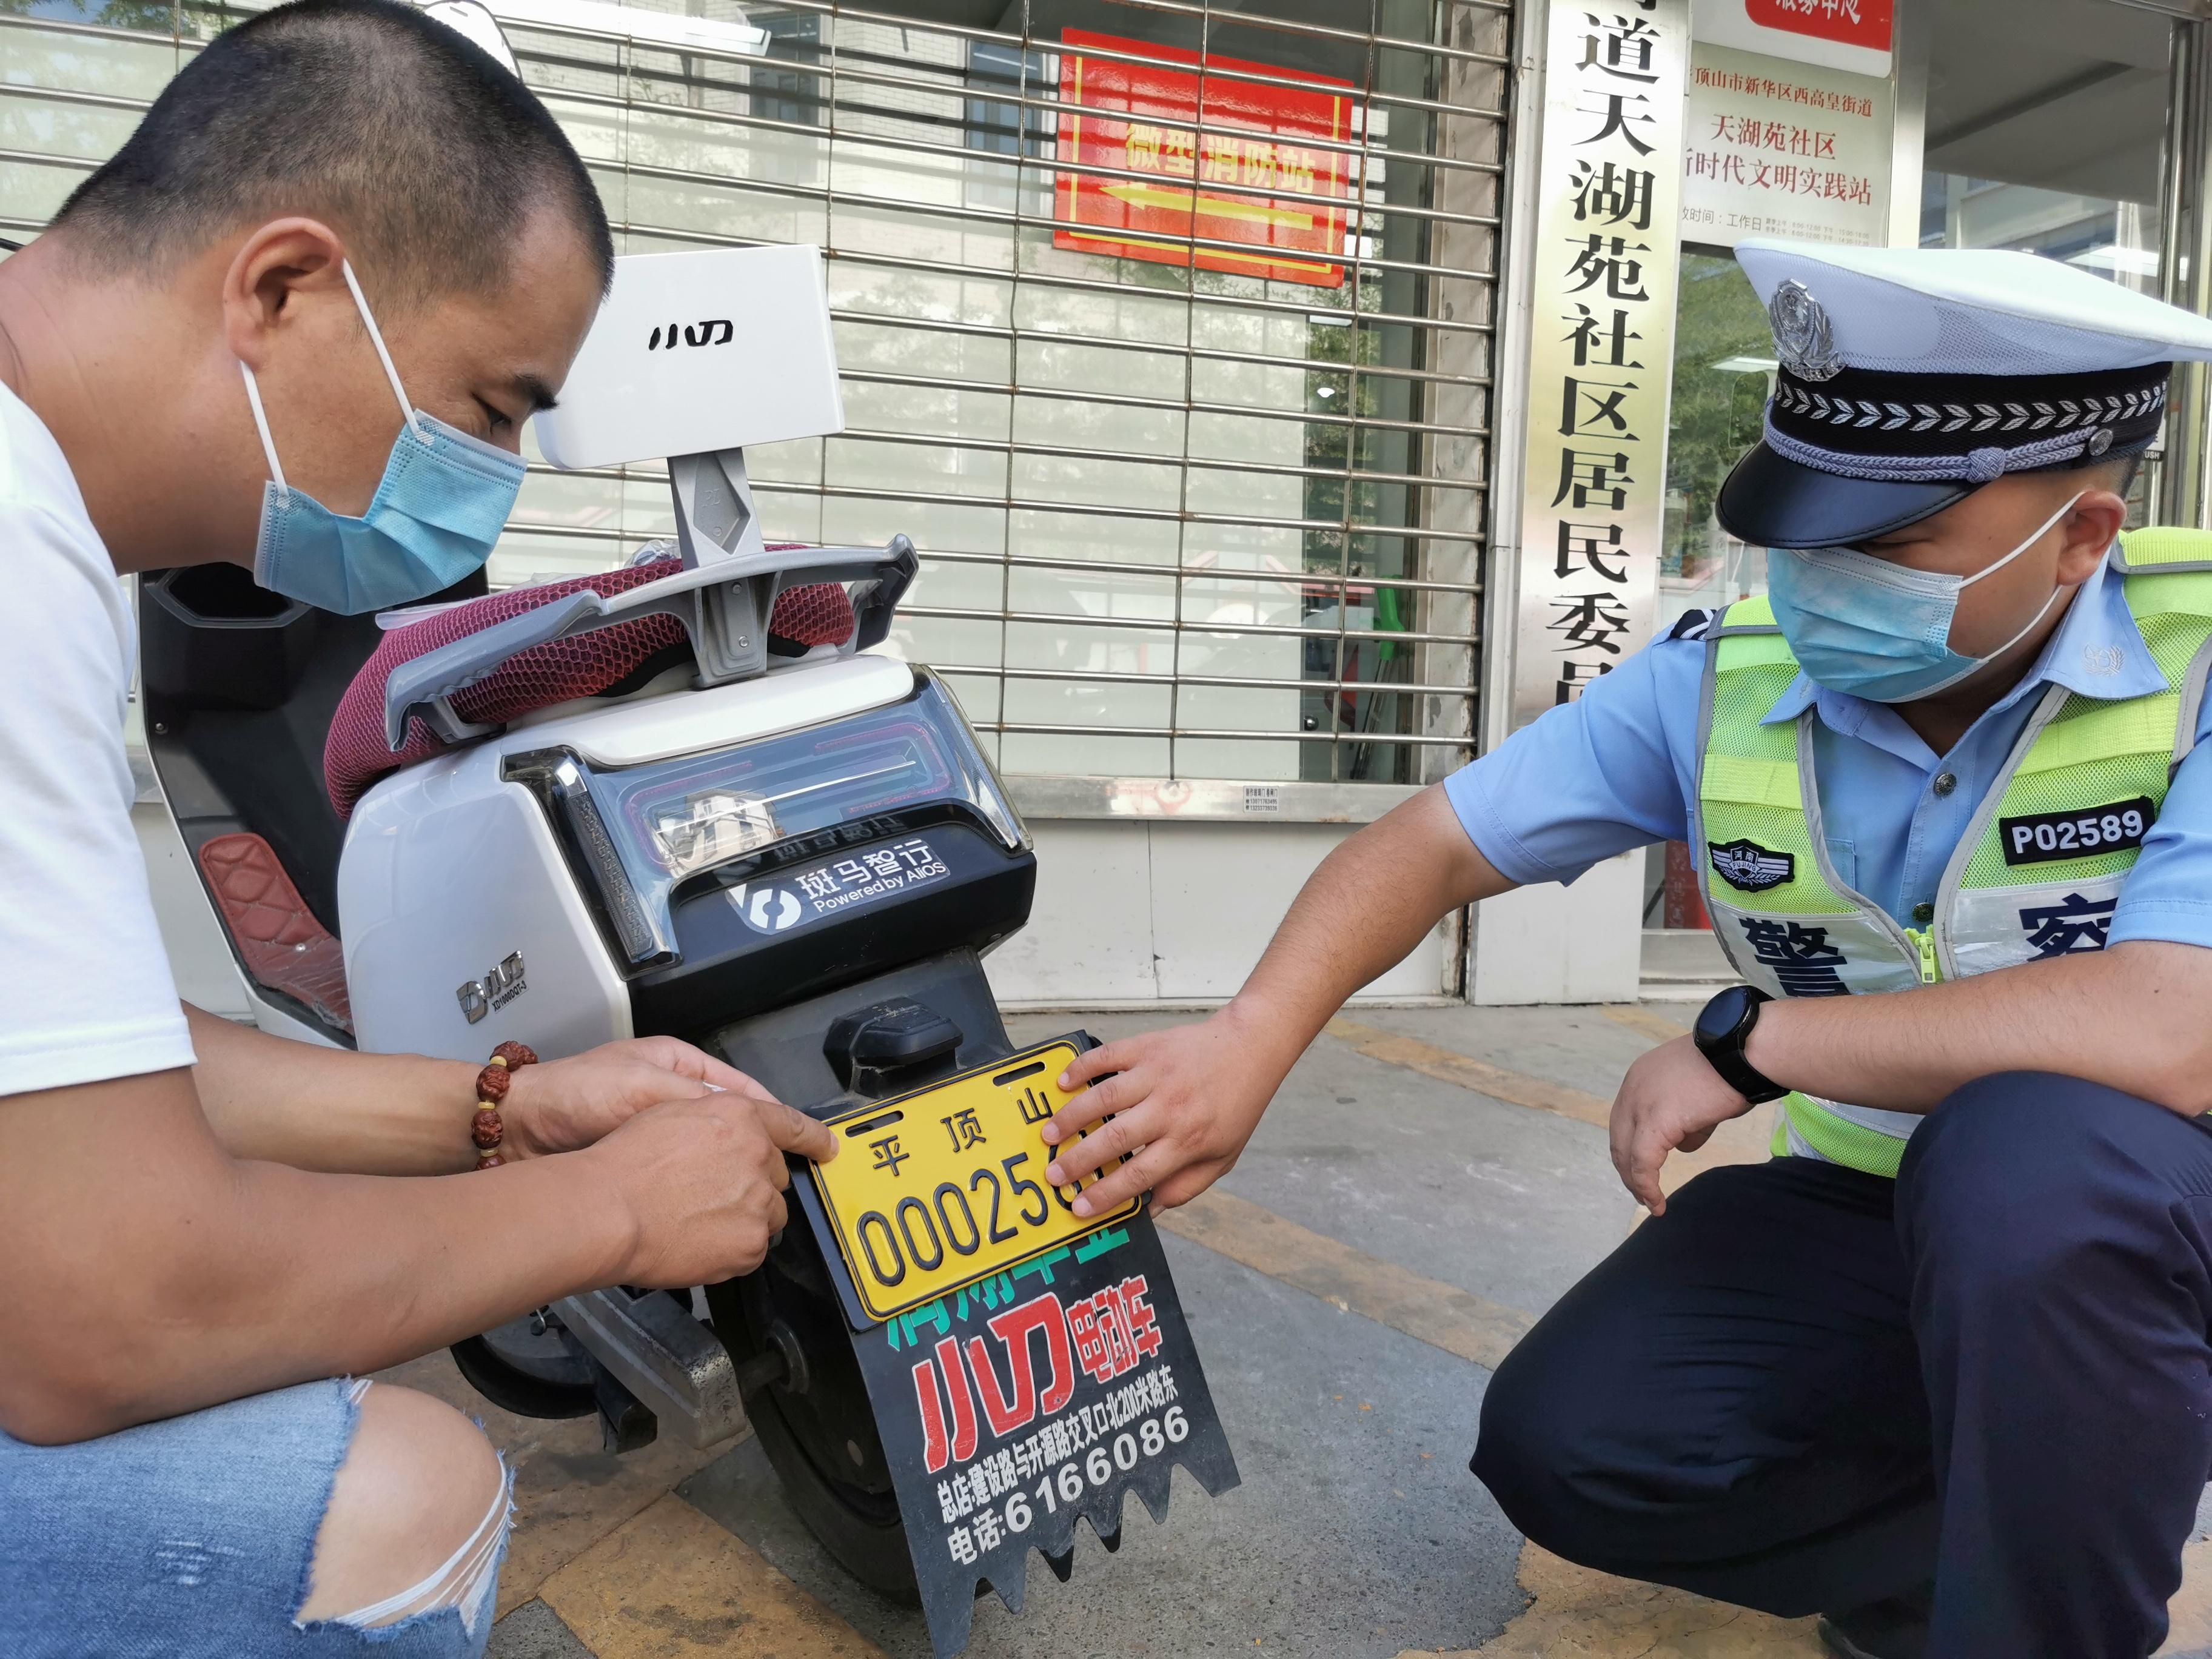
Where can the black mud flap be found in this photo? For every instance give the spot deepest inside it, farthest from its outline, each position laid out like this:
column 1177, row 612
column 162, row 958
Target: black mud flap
column 1011, row 1409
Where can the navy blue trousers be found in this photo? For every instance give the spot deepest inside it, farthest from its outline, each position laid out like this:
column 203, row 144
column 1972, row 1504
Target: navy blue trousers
column 1803, row 1389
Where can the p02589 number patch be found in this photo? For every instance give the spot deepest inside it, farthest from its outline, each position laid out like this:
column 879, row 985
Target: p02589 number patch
column 2043, row 837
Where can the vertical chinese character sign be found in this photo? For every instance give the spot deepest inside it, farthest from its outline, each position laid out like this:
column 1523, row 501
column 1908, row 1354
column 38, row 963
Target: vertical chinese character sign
column 1601, row 351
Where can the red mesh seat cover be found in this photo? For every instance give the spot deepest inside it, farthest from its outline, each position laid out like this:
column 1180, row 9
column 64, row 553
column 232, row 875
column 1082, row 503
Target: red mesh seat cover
column 820, row 613
column 356, row 755
column 285, row 948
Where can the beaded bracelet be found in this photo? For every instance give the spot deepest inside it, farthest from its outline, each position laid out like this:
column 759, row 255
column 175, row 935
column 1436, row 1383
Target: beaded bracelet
column 492, row 1085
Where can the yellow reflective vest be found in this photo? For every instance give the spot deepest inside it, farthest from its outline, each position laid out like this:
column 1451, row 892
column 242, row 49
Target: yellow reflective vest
column 2037, row 872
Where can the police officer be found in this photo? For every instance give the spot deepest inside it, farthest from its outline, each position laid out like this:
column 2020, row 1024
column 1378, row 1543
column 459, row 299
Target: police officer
column 1941, row 1371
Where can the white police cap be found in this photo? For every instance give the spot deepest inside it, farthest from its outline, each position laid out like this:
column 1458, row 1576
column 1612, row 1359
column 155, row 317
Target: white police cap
column 1910, row 377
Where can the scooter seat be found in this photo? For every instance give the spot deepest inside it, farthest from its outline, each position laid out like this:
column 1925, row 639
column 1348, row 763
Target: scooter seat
column 284, row 946
column 355, row 754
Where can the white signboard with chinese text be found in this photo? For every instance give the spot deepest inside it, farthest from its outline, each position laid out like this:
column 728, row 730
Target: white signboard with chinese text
column 1776, row 149
column 1601, row 352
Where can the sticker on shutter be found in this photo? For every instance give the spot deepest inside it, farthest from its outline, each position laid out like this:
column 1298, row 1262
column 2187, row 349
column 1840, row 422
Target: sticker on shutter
column 2043, row 837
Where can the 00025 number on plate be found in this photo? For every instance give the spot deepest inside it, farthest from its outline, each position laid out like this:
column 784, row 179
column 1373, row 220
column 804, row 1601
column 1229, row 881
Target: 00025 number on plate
column 941, row 1188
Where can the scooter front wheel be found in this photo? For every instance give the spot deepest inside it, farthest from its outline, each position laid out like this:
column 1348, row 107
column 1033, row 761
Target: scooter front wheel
column 813, row 1415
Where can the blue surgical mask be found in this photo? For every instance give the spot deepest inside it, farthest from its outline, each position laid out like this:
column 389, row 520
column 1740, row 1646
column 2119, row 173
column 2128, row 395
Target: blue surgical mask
column 443, row 500
column 1876, row 630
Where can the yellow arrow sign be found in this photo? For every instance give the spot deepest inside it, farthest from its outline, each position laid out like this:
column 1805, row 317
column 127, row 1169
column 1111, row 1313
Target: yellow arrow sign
column 1213, row 207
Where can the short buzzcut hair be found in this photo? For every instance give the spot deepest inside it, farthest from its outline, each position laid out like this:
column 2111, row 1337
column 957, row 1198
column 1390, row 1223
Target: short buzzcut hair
column 413, row 144
column 2118, row 470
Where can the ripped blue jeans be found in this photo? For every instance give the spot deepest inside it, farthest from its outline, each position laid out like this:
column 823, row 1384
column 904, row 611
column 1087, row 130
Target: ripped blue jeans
column 189, row 1538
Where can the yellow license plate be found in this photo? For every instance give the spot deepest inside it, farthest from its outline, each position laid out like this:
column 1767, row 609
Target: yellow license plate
column 937, row 1189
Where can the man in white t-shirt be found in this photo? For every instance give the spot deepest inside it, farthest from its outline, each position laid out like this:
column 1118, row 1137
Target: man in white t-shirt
column 205, row 1229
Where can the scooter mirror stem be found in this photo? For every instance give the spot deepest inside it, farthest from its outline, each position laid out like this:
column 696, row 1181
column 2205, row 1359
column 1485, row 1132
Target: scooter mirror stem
column 715, row 518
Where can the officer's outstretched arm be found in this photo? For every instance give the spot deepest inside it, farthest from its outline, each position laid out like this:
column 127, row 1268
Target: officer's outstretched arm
column 1190, row 1096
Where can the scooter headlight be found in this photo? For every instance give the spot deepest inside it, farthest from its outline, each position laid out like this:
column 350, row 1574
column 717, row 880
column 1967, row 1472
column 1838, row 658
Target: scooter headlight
column 636, row 832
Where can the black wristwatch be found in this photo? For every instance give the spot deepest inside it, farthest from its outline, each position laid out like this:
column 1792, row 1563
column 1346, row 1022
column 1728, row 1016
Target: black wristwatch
column 1724, row 1027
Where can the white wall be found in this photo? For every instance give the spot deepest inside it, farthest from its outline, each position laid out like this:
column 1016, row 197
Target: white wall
column 1147, row 912
column 1552, row 944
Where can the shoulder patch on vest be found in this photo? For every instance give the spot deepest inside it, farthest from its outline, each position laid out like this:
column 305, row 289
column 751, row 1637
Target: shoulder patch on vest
column 1750, row 868
column 1693, row 624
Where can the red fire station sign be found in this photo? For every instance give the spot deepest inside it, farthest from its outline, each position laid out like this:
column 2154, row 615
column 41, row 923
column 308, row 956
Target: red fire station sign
column 1253, row 179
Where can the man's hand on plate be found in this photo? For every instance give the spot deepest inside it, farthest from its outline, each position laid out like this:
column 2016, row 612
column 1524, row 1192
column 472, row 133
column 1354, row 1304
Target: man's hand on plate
column 704, row 1181
column 565, row 1105
column 1184, row 1100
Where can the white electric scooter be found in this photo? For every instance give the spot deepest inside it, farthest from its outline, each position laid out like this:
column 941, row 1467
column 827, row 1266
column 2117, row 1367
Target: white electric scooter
column 776, row 842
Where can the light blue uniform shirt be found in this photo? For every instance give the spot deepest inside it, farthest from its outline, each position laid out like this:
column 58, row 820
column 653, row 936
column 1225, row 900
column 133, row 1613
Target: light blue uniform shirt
column 1618, row 770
